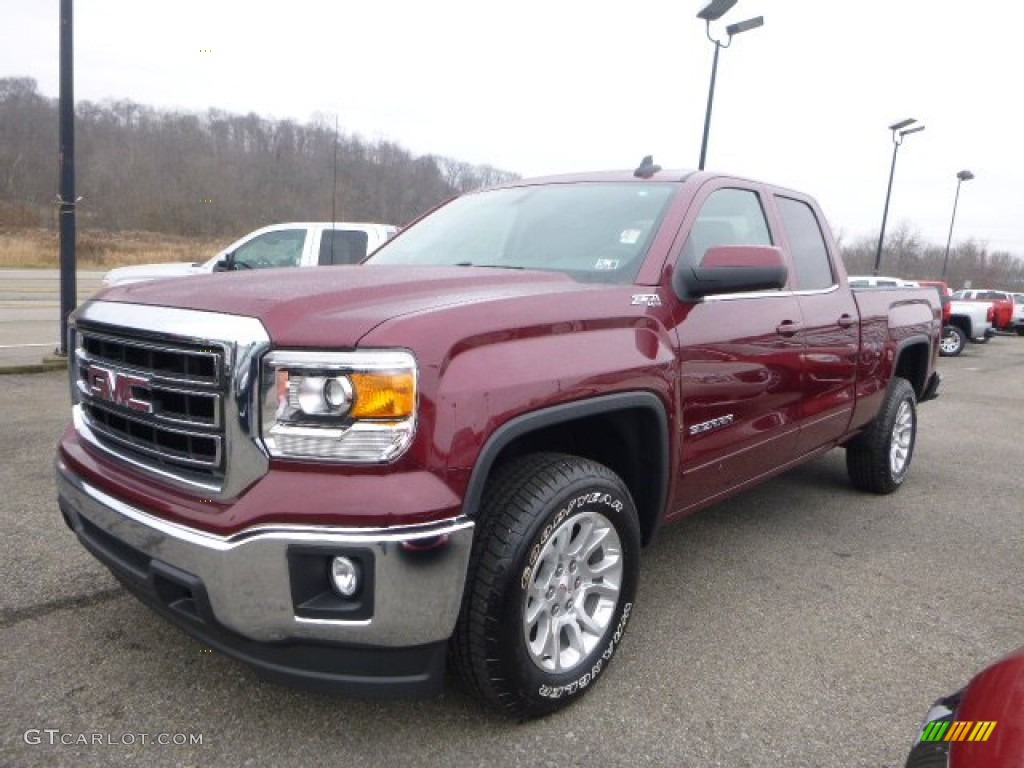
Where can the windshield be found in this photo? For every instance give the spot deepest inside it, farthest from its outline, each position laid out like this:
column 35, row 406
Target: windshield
column 592, row 231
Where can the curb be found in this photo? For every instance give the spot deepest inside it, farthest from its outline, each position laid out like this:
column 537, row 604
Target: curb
column 49, row 363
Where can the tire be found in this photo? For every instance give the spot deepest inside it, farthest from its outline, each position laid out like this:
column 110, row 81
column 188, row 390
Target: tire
column 1020, row 330
column 952, row 342
column 517, row 645
column 928, row 755
column 878, row 460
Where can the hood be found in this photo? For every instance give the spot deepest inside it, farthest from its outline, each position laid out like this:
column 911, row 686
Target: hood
column 143, row 272
column 332, row 307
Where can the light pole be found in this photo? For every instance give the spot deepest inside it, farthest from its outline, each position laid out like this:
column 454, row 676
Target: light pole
column 899, row 130
column 713, row 11
column 960, row 178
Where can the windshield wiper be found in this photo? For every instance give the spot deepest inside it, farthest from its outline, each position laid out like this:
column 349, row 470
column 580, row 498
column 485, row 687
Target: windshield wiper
column 492, row 266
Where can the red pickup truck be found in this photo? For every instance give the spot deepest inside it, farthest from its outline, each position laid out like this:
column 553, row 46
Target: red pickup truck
column 344, row 476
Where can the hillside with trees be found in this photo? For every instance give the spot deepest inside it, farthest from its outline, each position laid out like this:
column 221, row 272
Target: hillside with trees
column 181, row 173
column 220, row 175
column 908, row 256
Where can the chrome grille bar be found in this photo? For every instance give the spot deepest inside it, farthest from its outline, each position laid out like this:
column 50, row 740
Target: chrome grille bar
column 186, row 363
column 170, row 391
column 169, row 446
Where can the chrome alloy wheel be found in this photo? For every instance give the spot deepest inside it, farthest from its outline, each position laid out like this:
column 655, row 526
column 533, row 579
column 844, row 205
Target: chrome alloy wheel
column 949, row 343
column 902, row 436
column 573, row 592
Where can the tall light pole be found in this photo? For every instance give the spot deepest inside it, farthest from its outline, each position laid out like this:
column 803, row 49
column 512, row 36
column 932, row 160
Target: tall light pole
column 960, row 178
column 899, row 130
column 713, row 11
column 67, row 198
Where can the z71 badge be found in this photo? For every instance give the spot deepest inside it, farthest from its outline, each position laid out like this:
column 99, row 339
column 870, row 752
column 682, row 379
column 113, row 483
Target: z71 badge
column 707, row 426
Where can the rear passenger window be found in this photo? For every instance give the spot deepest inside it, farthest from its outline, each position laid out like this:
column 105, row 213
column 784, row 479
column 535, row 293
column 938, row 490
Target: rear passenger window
column 810, row 256
column 342, row 246
column 728, row 217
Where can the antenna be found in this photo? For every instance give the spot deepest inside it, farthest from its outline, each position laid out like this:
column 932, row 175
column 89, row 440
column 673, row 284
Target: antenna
column 334, row 185
column 647, row 168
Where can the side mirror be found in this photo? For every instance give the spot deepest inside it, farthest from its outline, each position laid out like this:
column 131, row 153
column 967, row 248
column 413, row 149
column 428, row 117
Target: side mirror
column 732, row 269
column 227, row 264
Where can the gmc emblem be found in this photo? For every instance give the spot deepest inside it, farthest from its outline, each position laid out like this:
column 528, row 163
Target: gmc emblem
column 114, row 387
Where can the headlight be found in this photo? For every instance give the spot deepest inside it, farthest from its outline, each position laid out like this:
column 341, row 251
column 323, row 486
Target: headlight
column 338, row 406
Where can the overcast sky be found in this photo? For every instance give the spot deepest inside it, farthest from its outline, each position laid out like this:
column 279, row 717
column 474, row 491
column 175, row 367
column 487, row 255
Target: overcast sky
column 539, row 87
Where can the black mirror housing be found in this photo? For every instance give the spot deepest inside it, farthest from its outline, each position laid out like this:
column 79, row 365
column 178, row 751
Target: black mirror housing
column 732, row 269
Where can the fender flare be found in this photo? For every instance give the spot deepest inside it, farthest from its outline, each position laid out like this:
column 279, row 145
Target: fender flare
column 913, row 341
column 525, row 423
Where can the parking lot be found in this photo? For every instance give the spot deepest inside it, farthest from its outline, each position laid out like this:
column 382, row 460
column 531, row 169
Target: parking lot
column 800, row 624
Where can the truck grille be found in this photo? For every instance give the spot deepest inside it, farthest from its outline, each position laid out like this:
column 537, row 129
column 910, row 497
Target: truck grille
column 171, row 393
column 159, row 403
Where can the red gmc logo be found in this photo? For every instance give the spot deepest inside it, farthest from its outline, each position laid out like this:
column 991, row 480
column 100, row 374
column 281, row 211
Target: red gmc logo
column 115, row 387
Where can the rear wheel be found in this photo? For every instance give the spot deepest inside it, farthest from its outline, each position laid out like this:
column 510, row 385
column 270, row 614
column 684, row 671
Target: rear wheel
column 952, row 342
column 551, row 583
column 878, row 459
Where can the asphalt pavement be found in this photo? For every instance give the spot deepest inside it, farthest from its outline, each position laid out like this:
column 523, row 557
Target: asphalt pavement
column 800, row 624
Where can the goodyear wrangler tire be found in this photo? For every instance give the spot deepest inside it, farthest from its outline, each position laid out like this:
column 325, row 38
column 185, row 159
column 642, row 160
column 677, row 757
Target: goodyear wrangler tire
column 878, row 459
column 551, row 583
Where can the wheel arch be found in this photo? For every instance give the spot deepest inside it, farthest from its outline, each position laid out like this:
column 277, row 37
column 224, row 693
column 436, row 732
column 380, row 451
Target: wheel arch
column 963, row 322
column 639, row 454
column 912, row 357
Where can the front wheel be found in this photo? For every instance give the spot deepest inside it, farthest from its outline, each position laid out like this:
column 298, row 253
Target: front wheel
column 551, row 583
column 952, row 342
column 878, row 459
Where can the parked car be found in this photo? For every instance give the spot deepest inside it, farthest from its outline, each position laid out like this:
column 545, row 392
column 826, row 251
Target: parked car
column 979, row 726
column 1017, row 320
column 1002, row 303
column 295, row 244
column 456, row 451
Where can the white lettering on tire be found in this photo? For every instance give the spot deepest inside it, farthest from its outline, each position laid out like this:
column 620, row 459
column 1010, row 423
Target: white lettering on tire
column 587, row 498
column 558, row 691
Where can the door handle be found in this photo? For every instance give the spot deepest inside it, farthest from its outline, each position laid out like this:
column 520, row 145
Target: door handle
column 845, row 321
column 788, row 328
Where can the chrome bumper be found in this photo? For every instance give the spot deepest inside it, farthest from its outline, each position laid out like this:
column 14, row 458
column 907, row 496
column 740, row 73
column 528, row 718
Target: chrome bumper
column 417, row 580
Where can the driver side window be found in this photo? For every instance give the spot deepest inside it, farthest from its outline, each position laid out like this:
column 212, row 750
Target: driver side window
column 728, row 217
column 282, row 248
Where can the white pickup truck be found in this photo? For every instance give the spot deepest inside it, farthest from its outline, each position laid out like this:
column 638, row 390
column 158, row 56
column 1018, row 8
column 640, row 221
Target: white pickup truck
column 295, row 244
column 968, row 321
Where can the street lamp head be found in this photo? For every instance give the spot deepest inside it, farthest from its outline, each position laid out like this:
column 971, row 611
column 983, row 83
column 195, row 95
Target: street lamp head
column 909, row 131
column 965, row 175
column 716, row 9
column 744, row 26
column 902, row 124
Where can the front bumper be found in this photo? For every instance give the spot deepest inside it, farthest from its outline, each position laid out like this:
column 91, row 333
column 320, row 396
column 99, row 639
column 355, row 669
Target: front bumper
column 262, row 595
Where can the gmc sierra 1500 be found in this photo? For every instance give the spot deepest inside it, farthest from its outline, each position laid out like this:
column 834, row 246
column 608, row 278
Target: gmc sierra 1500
column 458, row 449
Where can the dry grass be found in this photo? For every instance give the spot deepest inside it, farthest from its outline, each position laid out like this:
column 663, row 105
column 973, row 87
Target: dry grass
column 96, row 249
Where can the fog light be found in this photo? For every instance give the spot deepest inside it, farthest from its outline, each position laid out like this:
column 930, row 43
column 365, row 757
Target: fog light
column 344, row 576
